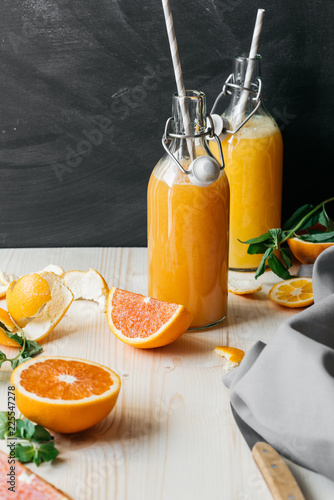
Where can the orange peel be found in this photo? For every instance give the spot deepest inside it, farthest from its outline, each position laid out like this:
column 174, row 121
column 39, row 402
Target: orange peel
column 233, row 356
column 7, row 326
column 243, row 287
column 88, row 285
column 40, row 325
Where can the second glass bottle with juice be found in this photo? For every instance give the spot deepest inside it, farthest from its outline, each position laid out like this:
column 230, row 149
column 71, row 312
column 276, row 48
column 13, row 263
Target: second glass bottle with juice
column 254, row 158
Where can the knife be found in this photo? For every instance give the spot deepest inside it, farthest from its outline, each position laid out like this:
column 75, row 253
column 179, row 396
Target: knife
column 275, row 472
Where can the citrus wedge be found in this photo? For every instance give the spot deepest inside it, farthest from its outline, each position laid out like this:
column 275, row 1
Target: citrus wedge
column 26, row 296
column 65, row 394
column 296, row 292
column 243, row 287
column 88, row 285
column 7, row 326
column 305, row 251
column 28, row 485
column 145, row 322
column 233, row 356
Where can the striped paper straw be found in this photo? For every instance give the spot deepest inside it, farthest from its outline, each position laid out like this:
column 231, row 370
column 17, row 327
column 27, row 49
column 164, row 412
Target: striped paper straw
column 241, row 107
column 178, row 72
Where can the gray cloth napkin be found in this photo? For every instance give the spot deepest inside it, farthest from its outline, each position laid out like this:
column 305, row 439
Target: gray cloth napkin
column 285, row 390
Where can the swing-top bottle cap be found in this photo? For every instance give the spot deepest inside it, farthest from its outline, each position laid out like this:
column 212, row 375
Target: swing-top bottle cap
column 219, row 124
column 204, row 171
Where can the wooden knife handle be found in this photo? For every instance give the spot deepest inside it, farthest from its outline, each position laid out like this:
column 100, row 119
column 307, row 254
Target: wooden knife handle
column 276, row 473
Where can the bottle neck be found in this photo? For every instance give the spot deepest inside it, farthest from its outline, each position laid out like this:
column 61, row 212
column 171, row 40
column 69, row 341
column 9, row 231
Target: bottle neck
column 189, row 113
column 246, row 73
column 189, row 118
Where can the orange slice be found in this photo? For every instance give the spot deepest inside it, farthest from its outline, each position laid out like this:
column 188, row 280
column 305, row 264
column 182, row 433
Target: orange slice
column 26, row 296
column 296, row 292
column 6, row 325
column 65, row 394
column 243, row 287
column 145, row 322
column 89, row 285
column 28, row 485
column 305, row 251
column 233, row 356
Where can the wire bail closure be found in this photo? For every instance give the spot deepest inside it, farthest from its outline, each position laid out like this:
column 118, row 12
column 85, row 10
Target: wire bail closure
column 226, row 91
column 210, row 131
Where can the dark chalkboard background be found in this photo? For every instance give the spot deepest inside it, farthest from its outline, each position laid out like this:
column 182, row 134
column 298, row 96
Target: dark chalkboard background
column 85, row 89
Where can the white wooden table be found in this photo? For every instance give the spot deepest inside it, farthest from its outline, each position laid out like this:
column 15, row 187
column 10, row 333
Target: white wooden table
column 172, row 435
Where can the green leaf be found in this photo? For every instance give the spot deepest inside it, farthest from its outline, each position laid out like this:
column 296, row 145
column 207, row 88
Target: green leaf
column 276, row 235
column 256, row 248
column 259, row 239
column 286, row 256
column 318, row 237
column 262, row 266
column 20, row 427
column 24, row 453
column 325, row 220
column 278, row 268
column 41, row 434
column 29, row 428
column 32, row 349
column 3, row 358
column 16, row 337
column 297, row 216
column 47, row 452
column 3, row 424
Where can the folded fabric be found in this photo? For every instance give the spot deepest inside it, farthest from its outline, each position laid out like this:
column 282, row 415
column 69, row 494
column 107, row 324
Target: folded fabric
column 285, row 390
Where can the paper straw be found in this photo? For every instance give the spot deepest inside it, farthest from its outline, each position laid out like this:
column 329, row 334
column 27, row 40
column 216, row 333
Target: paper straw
column 178, row 72
column 241, row 107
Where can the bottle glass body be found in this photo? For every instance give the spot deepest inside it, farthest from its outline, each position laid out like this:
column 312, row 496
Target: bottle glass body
column 254, row 161
column 188, row 226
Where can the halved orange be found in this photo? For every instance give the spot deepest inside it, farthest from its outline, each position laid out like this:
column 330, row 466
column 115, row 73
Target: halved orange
column 296, row 292
column 26, row 296
column 65, row 394
column 305, row 251
column 145, row 322
column 7, row 325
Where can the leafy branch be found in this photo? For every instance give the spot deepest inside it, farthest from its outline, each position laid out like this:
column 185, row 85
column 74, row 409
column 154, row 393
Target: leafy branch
column 28, row 348
column 33, row 443
column 270, row 244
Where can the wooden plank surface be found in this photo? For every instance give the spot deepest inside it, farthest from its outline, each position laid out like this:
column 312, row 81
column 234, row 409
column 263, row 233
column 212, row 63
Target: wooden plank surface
column 172, row 435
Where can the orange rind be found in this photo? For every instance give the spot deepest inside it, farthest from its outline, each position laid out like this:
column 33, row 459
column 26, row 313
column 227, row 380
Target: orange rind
column 7, row 326
column 305, row 251
column 88, row 285
column 40, row 325
column 145, row 322
column 295, row 292
column 243, row 287
column 65, row 394
column 232, row 355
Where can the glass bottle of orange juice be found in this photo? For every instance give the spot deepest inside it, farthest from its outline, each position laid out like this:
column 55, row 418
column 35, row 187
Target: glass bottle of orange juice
column 188, row 217
column 254, row 159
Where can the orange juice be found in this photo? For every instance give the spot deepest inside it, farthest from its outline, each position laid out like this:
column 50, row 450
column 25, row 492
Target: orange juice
column 253, row 159
column 188, row 243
